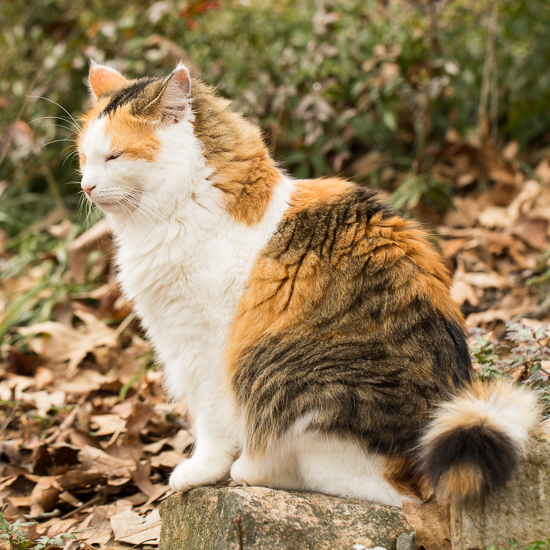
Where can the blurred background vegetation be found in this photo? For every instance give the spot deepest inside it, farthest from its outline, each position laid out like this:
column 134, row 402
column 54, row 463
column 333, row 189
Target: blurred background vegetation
column 378, row 91
column 442, row 105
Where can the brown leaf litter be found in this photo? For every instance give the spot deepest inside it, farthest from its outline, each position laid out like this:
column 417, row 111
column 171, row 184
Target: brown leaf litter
column 87, row 438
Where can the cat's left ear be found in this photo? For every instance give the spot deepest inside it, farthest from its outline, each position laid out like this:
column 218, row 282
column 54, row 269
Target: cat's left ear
column 102, row 79
column 174, row 97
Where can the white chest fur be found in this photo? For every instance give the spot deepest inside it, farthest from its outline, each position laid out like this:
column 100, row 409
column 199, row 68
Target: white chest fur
column 185, row 275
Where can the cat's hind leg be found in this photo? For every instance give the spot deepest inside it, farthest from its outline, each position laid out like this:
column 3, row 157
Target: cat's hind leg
column 309, row 460
column 339, row 466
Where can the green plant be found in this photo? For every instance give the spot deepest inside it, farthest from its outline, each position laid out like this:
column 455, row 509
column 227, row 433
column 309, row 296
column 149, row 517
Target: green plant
column 18, row 538
column 525, row 350
column 422, row 187
column 539, row 545
column 14, row 535
column 536, row 545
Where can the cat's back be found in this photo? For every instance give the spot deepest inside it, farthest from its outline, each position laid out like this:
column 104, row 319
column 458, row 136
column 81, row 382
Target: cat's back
column 347, row 312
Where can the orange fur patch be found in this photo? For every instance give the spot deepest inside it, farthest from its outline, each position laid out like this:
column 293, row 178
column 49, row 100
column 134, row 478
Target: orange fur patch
column 433, row 279
column 403, row 475
column 102, row 80
column 280, row 295
column 308, row 193
column 461, row 480
column 135, row 137
column 283, row 291
column 234, row 148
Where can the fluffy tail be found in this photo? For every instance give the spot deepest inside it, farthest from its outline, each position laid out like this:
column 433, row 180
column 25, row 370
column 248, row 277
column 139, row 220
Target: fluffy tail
column 475, row 441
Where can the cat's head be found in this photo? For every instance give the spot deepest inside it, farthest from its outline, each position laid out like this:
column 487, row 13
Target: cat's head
column 126, row 146
column 153, row 143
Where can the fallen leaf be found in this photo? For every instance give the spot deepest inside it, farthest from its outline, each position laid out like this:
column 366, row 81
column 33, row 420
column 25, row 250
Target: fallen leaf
column 106, row 424
column 485, row 280
column 64, row 343
column 495, row 216
column 181, row 441
column 94, row 459
column 543, row 170
column 131, row 528
column 462, row 292
column 166, row 460
column 43, row 401
column 141, row 475
column 450, row 248
column 532, row 231
column 44, row 495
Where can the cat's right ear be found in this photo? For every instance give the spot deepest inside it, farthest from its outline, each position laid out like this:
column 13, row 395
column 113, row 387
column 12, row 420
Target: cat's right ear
column 173, row 100
column 103, row 78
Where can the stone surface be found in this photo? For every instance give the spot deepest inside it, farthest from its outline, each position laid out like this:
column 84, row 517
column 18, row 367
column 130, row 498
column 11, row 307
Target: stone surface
column 210, row 518
column 520, row 510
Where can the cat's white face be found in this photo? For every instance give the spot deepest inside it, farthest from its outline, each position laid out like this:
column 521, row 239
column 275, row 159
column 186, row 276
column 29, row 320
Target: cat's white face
column 134, row 134
column 110, row 180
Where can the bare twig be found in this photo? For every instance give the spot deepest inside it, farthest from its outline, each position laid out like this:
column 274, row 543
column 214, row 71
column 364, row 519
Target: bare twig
column 435, row 12
column 483, row 121
column 67, row 423
column 17, row 118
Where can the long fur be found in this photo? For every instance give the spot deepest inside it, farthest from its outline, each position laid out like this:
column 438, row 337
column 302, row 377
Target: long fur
column 309, row 327
column 475, row 441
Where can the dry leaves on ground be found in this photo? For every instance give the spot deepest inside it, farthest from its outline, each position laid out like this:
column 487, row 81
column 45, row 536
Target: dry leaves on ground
column 87, row 439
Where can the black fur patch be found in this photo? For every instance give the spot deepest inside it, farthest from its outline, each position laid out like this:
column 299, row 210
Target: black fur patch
column 128, row 94
column 370, row 359
column 490, row 450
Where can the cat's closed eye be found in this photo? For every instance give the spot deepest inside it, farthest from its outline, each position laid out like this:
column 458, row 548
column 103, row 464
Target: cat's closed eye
column 114, row 156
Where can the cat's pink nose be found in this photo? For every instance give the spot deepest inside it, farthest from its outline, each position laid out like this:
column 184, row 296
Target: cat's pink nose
column 87, row 188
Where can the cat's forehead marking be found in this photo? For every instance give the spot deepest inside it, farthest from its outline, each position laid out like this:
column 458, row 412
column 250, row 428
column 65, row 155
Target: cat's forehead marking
column 137, row 93
column 135, row 137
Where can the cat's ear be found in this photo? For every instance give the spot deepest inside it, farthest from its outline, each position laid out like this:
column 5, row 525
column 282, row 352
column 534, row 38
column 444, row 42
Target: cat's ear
column 173, row 99
column 103, row 78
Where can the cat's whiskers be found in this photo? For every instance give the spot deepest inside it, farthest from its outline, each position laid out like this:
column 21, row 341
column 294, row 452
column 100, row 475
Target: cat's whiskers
column 93, row 214
column 70, row 157
column 150, row 208
column 75, row 127
column 146, row 209
column 49, row 143
column 130, row 200
column 165, row 210
column 72, row 131
column 55, row 103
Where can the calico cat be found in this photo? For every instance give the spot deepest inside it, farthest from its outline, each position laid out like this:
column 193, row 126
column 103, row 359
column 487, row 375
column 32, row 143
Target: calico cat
column 308, row 325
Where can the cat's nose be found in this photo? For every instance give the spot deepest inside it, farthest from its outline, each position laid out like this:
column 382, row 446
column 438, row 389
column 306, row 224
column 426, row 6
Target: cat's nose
column 87, row 188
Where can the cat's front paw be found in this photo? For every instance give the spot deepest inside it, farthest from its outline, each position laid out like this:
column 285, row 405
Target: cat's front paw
column 191, row 473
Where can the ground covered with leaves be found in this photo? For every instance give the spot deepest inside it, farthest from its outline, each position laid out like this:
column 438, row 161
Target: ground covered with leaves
column 442, row 106
column 88, row 439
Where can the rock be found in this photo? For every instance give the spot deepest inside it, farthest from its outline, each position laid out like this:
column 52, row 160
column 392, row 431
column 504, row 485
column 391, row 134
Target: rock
column 235, row 518
column 520, row 510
